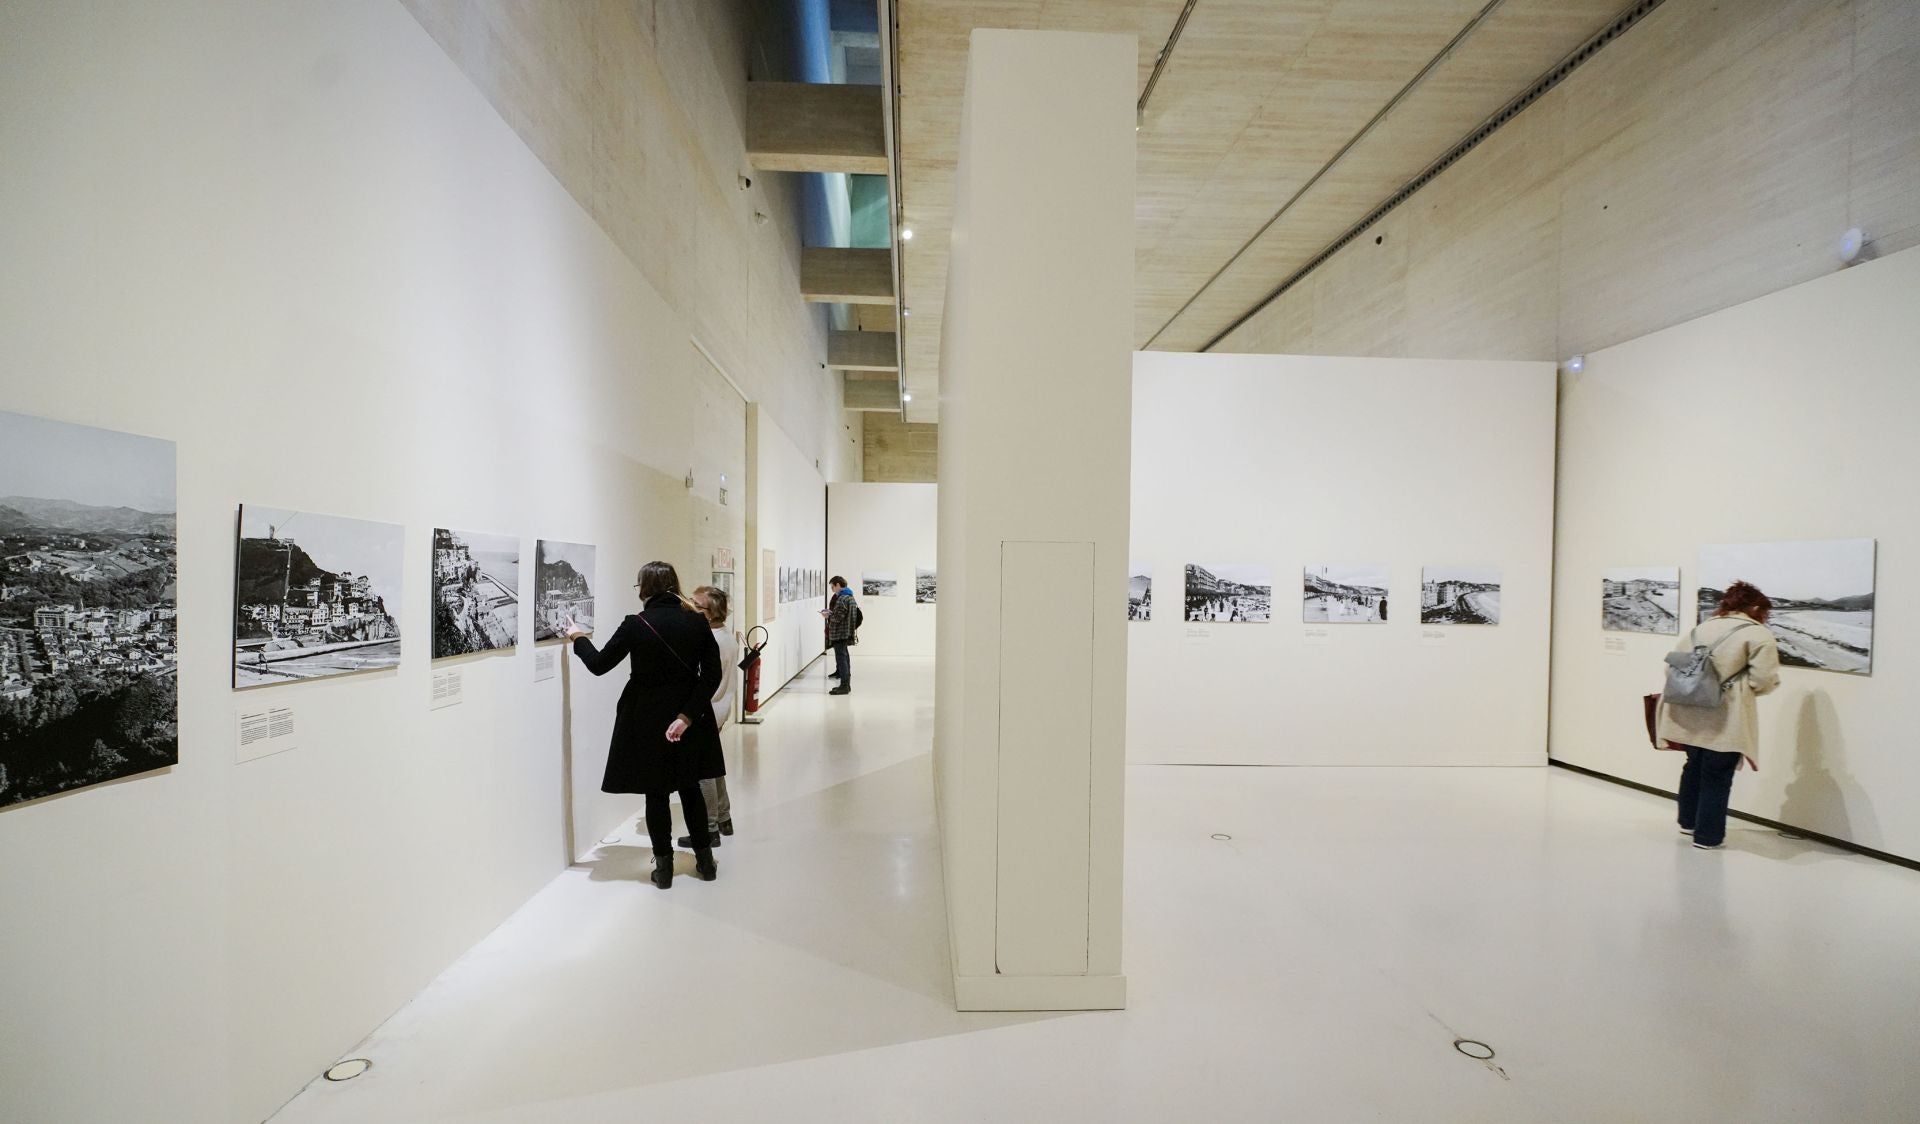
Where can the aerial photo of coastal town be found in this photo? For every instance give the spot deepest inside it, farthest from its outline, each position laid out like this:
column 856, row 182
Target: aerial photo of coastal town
column 88, row 647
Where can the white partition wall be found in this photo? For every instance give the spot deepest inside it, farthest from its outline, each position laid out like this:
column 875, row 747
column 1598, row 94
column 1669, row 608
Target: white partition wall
column 1788, row 418
column 1357, row 465
column 295, row 240
column 787, row 525
column 1029, row 731
column 888, row 529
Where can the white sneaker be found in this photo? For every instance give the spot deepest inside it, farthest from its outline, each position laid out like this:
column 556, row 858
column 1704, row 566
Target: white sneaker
column 1686, row 831
column 1708, row 846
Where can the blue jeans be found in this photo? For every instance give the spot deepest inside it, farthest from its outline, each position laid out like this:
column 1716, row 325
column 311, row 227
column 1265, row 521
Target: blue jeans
column 842, row 666
column 1706, row 783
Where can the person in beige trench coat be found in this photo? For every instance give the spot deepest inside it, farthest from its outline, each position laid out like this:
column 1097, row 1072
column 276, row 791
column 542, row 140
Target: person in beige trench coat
column 1717, row 740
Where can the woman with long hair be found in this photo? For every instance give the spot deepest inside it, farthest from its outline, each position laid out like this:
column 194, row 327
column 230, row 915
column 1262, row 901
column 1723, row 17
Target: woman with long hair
column 664, row 723
column 1746, row 659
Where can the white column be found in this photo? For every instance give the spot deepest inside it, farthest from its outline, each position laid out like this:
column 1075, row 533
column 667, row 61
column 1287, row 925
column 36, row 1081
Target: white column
column 1035, row 410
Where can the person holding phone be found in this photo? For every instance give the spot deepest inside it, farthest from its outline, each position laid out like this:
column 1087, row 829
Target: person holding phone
column 843, row 621
column 664, row 724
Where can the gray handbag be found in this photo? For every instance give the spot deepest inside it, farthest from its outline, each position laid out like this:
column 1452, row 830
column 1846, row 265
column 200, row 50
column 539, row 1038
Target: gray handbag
column 1691, row 678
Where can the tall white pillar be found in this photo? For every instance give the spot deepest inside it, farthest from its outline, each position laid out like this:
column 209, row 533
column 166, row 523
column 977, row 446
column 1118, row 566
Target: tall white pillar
column 1035, row 414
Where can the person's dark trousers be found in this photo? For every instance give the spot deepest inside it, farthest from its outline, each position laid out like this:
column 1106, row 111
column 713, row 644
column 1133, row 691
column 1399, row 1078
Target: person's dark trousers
column 1706, row 783
column 842, row 666
column 660, row 819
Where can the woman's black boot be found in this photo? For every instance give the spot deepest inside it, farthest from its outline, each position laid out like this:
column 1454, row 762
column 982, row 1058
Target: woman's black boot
column 663, row 869
column 703, row 864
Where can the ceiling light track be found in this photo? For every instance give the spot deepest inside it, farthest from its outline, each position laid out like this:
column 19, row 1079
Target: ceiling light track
column 1393, row 103
column 1161, row 60
column 1555, row 75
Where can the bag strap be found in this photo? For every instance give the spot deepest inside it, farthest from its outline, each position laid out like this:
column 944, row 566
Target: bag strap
column 669, row 647
column 1730, row 635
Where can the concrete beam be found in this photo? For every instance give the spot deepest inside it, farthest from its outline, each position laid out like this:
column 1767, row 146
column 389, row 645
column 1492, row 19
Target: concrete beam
column 816, row 127
column 876, row 318
column 832, row 275
column 878, row 395
column 863, row 351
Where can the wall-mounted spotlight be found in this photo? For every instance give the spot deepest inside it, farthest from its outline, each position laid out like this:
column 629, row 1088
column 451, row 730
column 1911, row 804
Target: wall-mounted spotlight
column 1852, row 245
column 906, row 398
column 1574, row 364
column 906, row 312
column 906, row 234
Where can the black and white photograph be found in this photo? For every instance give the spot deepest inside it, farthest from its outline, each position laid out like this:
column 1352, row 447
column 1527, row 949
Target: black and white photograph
column 878, row 583
column 1228, row 592
column 1338, row 594
column 1139, row 592
column 925, row 585
column 1460, row 595
column 88, row 636
column 562, row 588
column 1822, row 592
column 314, row 596
column 476, row 592
column 1640, row 599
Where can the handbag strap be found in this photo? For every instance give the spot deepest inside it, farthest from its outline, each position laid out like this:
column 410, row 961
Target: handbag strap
column 1731, row 633
column 669, row 647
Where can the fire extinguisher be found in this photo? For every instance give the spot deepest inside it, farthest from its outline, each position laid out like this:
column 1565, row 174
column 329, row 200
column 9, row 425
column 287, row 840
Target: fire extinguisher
column 750, row 663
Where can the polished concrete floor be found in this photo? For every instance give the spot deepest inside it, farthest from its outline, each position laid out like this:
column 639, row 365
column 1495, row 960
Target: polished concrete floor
column 1316, row 965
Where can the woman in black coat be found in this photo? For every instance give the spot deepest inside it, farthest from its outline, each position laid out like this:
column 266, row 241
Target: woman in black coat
column 664, row 734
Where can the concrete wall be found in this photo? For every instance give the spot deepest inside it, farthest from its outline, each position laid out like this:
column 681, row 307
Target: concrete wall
column 1711, row 155
column 886, row 527
column 295, row 240
column 1289, row 461
column 898, row 452
column 639, row 110
column 1789, row 417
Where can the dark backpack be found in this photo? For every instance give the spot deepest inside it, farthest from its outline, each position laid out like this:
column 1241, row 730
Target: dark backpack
column 858, row 616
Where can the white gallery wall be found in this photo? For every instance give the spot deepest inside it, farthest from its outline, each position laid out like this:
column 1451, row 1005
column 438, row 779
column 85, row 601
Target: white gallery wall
column 887, row 528
column 787, row 515
column 294, row 239
column 1291, row 461
column 1789, row 417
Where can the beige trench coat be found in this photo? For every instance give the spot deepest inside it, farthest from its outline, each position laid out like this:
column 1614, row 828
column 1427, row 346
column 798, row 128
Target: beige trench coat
column 1735, row 727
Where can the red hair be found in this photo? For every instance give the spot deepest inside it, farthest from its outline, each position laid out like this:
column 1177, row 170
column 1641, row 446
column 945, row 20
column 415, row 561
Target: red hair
column 1745, row 597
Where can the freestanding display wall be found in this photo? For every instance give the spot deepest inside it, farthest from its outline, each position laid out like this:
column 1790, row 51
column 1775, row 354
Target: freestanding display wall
column 1789, row 418
column 1367, row 471
column 1029, row 731
column 890, row 528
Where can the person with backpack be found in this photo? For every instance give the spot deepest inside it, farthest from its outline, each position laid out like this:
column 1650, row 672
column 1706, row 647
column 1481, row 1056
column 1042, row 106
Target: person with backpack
column 843, row 628
column 1708, row 711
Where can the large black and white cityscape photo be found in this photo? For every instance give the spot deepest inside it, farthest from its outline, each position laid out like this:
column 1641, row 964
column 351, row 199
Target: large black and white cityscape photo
column 562, row 588
column 314, row 596
column 1344, row 594
column 1640, row 599
column 1139, row 592
column 1460, row 595
column 88, row 649
column 1822, row 593
column 1228, row 592
column 476, row 592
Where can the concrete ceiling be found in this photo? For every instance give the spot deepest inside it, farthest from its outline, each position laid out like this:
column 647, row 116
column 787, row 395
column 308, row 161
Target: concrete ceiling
column 1275, row 127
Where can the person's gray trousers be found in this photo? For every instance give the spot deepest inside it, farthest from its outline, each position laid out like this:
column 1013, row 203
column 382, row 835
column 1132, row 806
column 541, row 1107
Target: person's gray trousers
column 719, row 809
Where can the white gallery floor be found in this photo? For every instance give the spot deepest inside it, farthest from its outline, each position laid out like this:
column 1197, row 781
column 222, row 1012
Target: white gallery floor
column 1316, row 966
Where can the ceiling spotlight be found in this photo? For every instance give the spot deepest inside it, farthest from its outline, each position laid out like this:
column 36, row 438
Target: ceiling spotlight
column 1851, row 243
column 906, row 234
column 1574, row 364
column 906, row 398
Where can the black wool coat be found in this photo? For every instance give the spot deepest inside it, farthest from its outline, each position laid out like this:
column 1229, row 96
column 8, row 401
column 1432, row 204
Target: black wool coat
column 675, row 669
